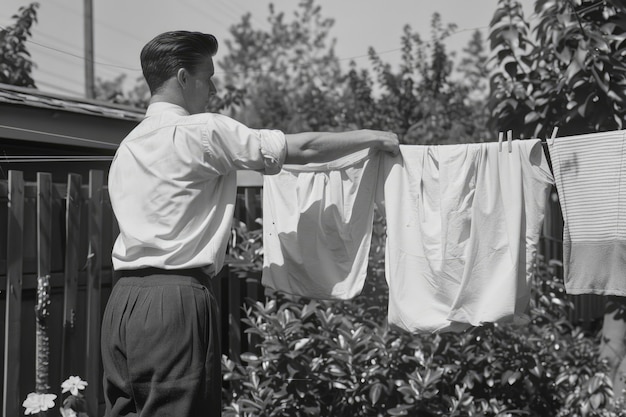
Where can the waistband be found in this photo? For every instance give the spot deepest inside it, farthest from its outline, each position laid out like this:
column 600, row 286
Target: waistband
column 157, row 274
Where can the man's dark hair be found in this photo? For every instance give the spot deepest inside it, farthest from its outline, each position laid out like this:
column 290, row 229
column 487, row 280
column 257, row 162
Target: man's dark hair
column 163, row 56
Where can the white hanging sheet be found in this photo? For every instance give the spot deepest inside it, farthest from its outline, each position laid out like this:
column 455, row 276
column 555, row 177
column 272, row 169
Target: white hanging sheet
column 463, row 224
column 317, row 226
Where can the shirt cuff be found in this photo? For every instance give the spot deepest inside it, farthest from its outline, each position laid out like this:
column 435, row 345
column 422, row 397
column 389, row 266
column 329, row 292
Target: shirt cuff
column 273, row 149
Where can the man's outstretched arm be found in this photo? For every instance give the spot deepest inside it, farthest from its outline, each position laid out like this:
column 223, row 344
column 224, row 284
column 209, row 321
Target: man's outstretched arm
column 308, row 147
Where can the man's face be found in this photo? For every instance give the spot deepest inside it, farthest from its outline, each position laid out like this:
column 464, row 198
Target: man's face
column 200, row 87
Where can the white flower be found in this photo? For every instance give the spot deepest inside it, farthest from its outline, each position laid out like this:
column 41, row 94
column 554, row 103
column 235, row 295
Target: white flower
column 73, row 384
column 34, row 402
column 67, row 412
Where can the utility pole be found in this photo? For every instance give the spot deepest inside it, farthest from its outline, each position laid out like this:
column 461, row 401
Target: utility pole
column 90, row 85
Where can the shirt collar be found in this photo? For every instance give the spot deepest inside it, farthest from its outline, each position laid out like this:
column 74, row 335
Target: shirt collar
column 162, row 107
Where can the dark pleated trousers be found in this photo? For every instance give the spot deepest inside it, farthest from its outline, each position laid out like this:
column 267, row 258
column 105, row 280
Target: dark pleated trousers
column 160, row 346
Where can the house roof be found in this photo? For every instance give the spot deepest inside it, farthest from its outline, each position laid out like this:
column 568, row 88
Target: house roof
column 33, row 97
column 34, row 118
column 29, row 115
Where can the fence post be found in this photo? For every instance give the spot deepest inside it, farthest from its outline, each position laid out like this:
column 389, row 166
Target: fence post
column 44, row 255
column 234, row 314
column 94, row 277
column 72, row 239
column 15, row 239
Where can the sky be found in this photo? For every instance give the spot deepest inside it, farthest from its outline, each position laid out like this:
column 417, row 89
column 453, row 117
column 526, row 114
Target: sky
column 122, row 27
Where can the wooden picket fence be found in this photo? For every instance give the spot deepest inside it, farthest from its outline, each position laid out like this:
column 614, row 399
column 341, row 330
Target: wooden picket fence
column 58, row 237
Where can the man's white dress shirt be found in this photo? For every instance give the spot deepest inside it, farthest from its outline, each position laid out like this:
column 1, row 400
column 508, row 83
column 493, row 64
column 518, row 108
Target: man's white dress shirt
column 173, row 186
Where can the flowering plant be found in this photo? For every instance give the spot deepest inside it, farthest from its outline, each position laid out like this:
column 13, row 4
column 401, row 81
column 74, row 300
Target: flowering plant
column 73, row 405
column 37, row 402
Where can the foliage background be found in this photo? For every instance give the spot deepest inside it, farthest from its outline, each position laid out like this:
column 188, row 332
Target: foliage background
column 15, row 63
column 567, row 70
column 340, row 358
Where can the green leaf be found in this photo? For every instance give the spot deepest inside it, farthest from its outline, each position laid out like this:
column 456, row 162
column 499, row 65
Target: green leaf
column 565, row 56
column 511, row 36
column 596, row 401
column 339, row 385
column 250, row 404
column 249, row 357
column 531, row 117
column 594, row 384
column 336, row 370
column 399, row 411
column 301, row 343
column 375, row 391
column 254, row 379
column 512, row 377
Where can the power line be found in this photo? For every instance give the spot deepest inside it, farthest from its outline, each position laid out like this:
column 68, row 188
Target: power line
column 204, row 13
column 97, row 21
column 59, row 88
column 49, row 51
column 201, row 11
column 534, row 16
column 240, row 11
column 57, row 39
column 75, row 55
column 57, row 75
column 232, row 14
column 75, row 47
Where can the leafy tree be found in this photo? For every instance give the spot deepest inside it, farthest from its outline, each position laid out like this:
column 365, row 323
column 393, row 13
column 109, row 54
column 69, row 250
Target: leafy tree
column 421, row 101
column 113, row 91
column 473, row 66
column 290, row 73
column 15, row 61
column 570, row 74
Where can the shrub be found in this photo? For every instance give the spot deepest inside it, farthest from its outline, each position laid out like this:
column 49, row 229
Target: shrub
column 339, row 358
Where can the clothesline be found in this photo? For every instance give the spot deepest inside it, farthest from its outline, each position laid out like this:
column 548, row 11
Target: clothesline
column 53, row 159
column 463, row 227
column 82, row 139
column 463, row 222
column 58, row 135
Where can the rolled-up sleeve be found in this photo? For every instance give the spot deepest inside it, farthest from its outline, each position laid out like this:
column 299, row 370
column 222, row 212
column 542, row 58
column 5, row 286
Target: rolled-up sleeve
column 273, row 149
column 230, row 145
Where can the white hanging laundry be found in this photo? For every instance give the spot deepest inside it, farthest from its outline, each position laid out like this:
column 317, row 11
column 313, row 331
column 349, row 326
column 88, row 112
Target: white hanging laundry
column 463, row 223
column 590, row 174
column 317, row 226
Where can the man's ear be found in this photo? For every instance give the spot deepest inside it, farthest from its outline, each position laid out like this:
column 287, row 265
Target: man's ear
column 181, row 77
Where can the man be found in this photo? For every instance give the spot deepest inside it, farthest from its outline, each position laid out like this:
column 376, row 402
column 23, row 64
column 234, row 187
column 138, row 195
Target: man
column 173, row 186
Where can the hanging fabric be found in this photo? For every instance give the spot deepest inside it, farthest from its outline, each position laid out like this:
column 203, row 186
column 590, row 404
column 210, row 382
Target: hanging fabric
column 589, row 173
column 463, row 224
column 317, row 226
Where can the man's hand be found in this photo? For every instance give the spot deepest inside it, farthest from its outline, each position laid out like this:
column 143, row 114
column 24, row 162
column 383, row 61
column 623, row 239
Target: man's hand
column 387, row 141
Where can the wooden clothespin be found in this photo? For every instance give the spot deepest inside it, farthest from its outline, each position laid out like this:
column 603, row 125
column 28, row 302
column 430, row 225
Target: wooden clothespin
column 554, row 132
column 500, row 137
column 509, row 139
